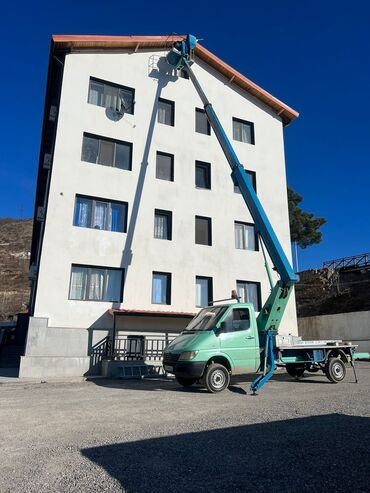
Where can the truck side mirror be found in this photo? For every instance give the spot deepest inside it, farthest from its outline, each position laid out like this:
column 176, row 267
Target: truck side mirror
column 221, row 328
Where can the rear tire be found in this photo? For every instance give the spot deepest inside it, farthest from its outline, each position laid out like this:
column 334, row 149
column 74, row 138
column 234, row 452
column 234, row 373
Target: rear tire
column 335, row 370
column 216, row 378
column 186, row 382
column 295, row 371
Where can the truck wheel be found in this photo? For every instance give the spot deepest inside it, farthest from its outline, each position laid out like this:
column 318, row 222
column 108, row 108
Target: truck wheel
column 335, row 370
column 186, row 382
column 216, row 378
column 295, row 371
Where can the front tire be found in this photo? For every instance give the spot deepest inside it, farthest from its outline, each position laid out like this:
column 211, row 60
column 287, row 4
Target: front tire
column 186, row 382
column 216, row 378
column 335, row 370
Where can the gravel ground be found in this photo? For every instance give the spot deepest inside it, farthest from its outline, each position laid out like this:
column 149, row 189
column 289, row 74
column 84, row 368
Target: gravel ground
column 152, row 436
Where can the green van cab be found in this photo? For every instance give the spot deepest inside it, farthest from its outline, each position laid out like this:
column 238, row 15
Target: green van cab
column 220, row 341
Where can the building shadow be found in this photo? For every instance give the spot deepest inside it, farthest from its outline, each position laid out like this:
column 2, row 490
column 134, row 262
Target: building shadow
column 318, row 453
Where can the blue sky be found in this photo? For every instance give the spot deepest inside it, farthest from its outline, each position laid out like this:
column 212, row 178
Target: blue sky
column 312, row 55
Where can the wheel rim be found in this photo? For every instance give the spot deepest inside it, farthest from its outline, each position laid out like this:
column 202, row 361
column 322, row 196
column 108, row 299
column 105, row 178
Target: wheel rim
column 337, row 370
column 218, row 379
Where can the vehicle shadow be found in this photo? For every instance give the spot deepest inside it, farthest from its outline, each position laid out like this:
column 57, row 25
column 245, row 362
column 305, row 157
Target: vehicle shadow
column 318, row 453
column 170, row 384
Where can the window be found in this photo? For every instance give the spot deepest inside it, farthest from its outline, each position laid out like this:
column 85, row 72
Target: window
column 110, row 95
column 90, row 283
column 108, row 152
column 252, row 177
column 243, row 131
column 166, row 112
column 203, row 230
column 249, row 292
column 204, row 293
column 164, row 167
column 238, row 319
column 100, row 214
column 161, row 288
column 162, row 224
column 202, row 125
column 245, row 236
column 202, row 175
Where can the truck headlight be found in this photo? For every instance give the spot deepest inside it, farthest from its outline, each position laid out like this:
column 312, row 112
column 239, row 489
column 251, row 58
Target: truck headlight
column 188, row 355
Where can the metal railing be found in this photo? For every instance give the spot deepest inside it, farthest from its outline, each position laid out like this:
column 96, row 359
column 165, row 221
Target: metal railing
column 355, row 262
column 140, row 348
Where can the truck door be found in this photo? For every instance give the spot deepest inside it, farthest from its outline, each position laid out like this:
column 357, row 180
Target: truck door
column 239, row 340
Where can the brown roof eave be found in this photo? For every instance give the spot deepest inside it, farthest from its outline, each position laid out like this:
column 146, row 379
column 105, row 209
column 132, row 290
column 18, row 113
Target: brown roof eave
column 81, row 42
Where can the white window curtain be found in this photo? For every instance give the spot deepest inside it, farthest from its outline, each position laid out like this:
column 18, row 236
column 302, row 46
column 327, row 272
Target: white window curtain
column 246, row 133
column 245, row 237
column 201, row 292
column 96, row 284
column 160, row 226
column 237, row 133
column 96, row 93
column 77, row 289
column 83, row 213
column 111, row 99
column 159, row 289
column 248, row 293
column 100, row 215
column 161, row 114
column 239, row 235
column 112, row 285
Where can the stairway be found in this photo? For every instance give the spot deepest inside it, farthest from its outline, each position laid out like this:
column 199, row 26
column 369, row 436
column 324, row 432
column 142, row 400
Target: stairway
column 10, row 356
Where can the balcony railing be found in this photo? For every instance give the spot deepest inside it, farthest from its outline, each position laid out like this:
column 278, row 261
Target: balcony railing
column 351, row 263
column 139, row 348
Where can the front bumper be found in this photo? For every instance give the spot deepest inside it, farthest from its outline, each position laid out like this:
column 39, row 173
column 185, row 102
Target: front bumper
column 187, row 369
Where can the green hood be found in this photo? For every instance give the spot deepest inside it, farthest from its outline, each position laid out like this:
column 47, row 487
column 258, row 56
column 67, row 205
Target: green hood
column 193, row 341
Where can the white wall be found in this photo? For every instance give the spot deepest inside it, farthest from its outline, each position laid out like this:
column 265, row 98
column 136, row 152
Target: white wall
column 65, row 244
column 353, row 326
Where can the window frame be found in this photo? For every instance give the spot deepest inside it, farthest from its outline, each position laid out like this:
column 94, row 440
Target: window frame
column 105, row 268
column 209, row 288
column 99, row 199
column 251, row 174
column 207, row 167
column 172, row 104
column 251, row 125
column 256, row 242
column 115, row 85
column 101, row 138
column 209, row 220
column 256, row 283
column 168, row 286
column 167, row 154
column 168, row 215
column 202, row 111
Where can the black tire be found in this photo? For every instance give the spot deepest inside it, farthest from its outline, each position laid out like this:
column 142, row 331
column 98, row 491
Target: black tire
column 335, row 370
column 216, row 378
column 295, row 371
column 186, row 382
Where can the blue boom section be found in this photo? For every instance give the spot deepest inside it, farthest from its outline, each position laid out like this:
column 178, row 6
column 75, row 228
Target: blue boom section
column 262, row 224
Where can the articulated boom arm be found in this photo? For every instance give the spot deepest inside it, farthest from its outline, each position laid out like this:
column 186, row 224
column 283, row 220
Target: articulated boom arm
column 272, row 311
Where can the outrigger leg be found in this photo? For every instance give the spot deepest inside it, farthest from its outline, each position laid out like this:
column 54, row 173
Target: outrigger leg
column 269, row 365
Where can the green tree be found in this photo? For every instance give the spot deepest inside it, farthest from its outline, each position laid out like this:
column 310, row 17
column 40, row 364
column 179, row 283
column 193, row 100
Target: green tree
column 304, row 226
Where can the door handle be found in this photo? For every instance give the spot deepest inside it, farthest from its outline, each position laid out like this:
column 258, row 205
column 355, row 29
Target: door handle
column 250, row 337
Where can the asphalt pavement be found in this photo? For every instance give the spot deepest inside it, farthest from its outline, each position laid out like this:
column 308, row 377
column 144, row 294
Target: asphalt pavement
column 154, row 436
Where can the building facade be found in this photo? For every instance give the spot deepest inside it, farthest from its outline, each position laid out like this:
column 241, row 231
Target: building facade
column 137, row 221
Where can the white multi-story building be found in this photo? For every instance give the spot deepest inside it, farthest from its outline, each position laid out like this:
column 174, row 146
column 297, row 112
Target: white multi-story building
column 137, row 221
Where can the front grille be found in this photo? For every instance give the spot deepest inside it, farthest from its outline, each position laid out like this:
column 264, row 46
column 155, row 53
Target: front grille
column 170, row 358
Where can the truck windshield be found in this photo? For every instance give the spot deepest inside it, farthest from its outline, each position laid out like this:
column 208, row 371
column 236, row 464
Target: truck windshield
column 206, row 318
